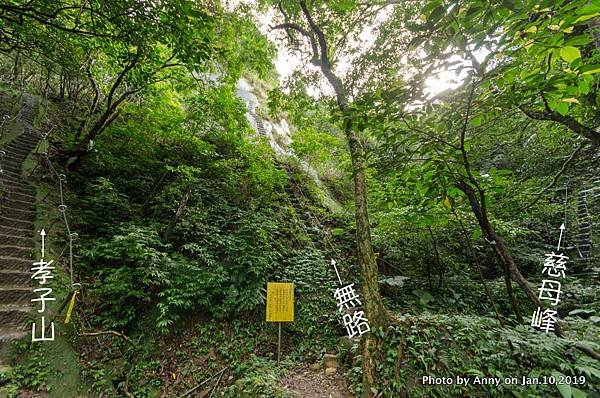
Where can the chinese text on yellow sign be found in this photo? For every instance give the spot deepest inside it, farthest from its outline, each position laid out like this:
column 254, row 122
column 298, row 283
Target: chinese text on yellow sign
column 280, row 302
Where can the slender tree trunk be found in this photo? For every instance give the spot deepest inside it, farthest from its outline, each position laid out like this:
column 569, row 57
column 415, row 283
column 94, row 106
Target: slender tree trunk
column 511, row 295
column 96, row 129
column 47, row 83
column 372, row 303
column 182, row 205
column 438, row 259
column 473, row 258
column 499, row 247
column 62, row 85
column 16, row 69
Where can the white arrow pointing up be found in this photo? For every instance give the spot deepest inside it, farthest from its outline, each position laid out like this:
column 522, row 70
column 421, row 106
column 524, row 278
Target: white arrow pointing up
column 562, row 228
column 43, row 235
column 336, row 271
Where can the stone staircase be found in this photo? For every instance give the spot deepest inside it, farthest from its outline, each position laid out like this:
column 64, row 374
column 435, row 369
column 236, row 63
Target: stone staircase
column 585, row 254
column 584, row 219
column 17, row 217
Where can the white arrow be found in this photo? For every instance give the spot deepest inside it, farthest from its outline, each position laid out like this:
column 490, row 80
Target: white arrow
column 562, row 228
column 43, row 234
column 336, row 271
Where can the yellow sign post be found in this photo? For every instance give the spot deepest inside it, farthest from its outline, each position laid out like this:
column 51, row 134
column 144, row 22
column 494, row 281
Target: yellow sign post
column 280, row 306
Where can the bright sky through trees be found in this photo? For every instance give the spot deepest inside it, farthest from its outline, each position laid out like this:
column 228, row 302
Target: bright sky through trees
column 288, row 61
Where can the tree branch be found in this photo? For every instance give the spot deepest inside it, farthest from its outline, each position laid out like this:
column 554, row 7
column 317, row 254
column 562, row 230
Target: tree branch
column 555, row 178
column 324, row 62
column 567, row 121
column 121, row 76
column 288, row 25
column 102, row 332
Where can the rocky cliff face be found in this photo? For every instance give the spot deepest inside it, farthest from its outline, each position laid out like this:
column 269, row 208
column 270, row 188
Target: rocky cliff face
column 279, row 136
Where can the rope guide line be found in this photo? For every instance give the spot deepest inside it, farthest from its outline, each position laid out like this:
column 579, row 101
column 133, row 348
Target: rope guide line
column 60, row 180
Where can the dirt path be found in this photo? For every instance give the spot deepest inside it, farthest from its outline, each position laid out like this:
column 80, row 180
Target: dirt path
column 306, row 383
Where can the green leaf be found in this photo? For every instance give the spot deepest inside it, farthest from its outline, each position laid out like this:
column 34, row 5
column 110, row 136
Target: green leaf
column 476, row 121
column 475, row 372
column 588, row 9
column 569, row 53
column 577, row 393
column 476, row 234
column 436, row 14
column 562, row 108
column 586, row 17
column 565, row 390
column 589, row 69
column 582, row 311
column 424, row 297
column 431, row 6
column 584, row 87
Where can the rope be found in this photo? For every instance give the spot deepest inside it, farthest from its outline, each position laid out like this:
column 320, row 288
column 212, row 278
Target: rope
column 61, row 180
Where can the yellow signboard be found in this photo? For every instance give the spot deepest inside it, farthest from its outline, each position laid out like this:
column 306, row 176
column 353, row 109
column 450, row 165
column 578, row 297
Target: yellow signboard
column 280, row 302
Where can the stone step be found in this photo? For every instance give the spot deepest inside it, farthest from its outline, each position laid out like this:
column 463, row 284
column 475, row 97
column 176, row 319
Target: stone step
column 22, row 146
column 17, row 151
column 17, row 181
column 15, row 240
column 10, row 173
column 22, row 150
column 8, row 334
column 8, row 167
column 16, row 296
column 16, row 252
column 14, row 214
column 12, row 178
column 20, row 204
column 21, row 197
column 16, row 264
column 13, row 160
column 16, row 223
column 14, row 278
column 19, row 188
column 17, row 318
column 19, row 214
column 15, row 231
column 26, row 139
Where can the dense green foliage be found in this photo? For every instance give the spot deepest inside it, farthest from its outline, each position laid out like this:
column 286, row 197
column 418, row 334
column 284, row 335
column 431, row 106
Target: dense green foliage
column 184, row 212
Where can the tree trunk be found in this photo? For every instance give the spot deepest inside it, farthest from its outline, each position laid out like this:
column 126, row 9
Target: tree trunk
column 96, row 129
column 182, row 205
column 16, row 69
column 372, row 303
column 473, row 258
column 374, row 308
column 80, row 149
column 500, row 247
column 511, row 295
column 438, row 259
